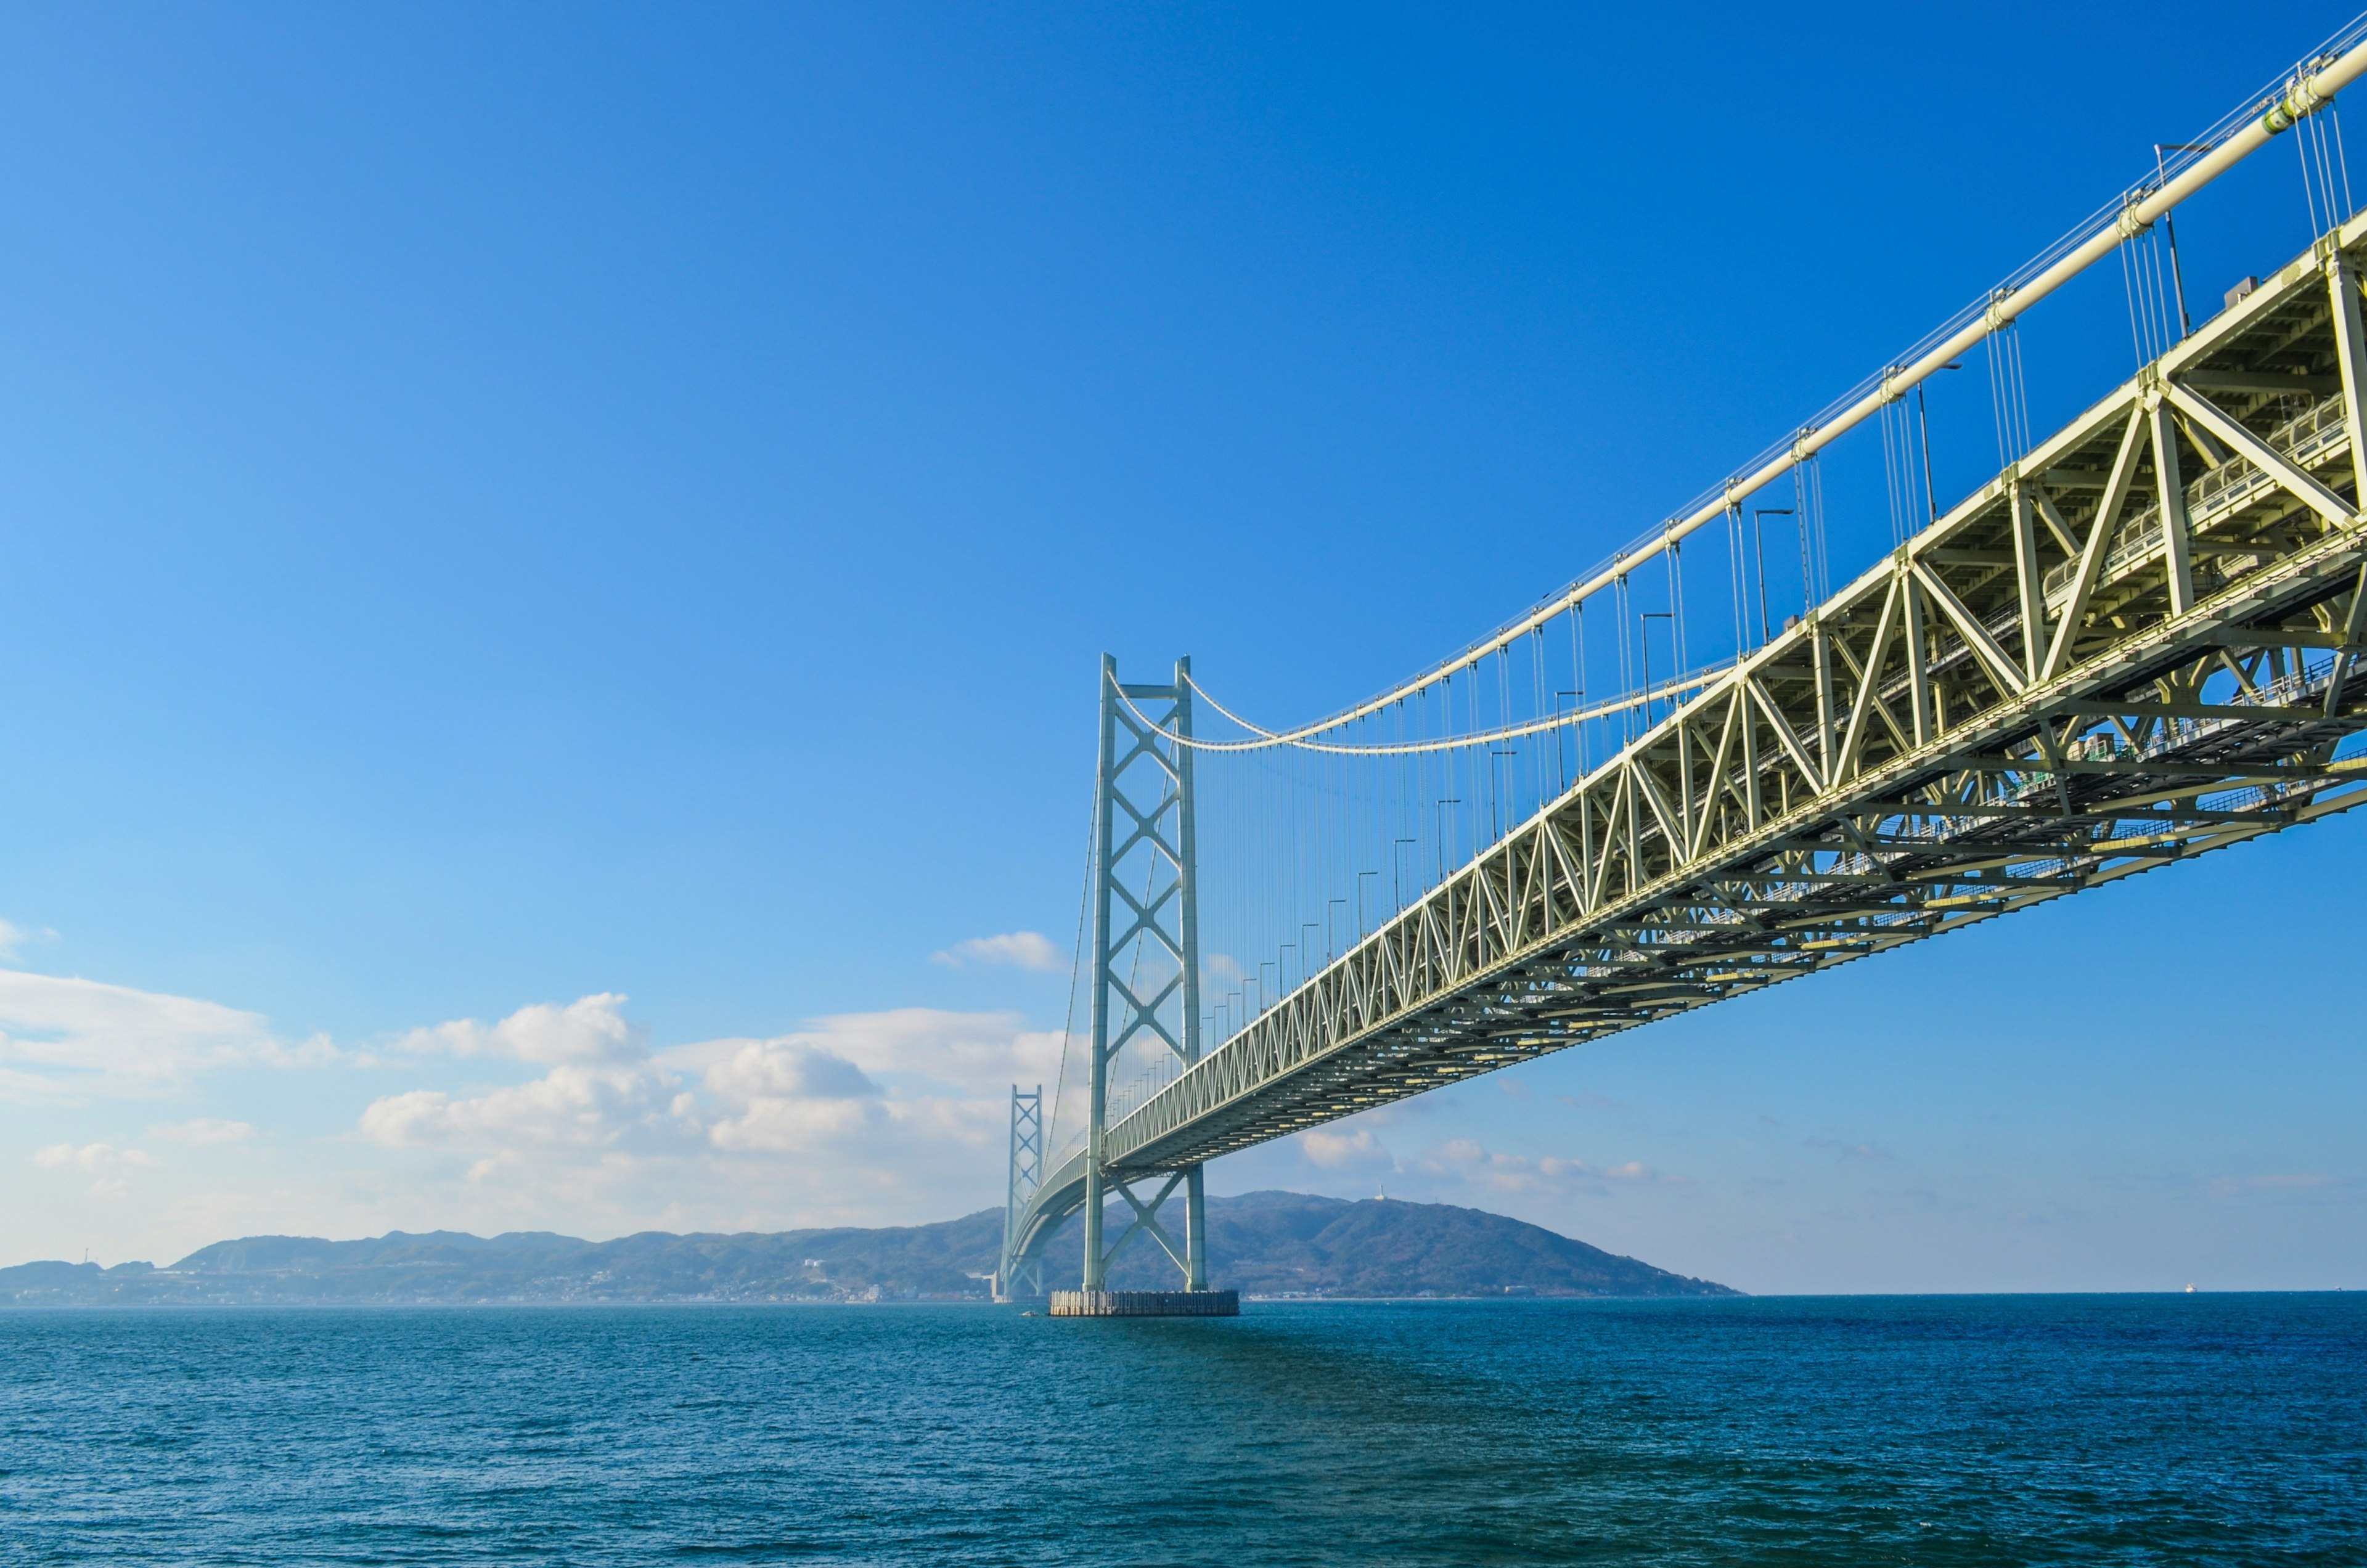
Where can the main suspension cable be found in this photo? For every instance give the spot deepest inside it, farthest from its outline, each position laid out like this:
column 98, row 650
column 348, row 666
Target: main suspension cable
column 1266, row 740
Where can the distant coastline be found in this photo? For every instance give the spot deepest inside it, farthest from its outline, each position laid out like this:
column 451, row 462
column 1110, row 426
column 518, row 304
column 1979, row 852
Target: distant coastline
column 1269, row 1245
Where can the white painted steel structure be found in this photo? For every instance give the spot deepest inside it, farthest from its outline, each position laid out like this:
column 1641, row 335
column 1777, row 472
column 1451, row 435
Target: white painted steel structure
column 2133, row 645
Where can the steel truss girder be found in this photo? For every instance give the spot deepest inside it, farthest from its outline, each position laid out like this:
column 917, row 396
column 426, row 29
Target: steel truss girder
column 1998, row 715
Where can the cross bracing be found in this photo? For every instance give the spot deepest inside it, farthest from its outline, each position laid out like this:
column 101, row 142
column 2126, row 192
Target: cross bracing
column 2136, row 644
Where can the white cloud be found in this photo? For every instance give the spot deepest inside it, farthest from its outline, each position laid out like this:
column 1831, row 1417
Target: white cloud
column 2288, row 1181
column 72, row 1038
column 602, row 1095
column 898, row 1077
column 1026, row 950
column 95, row 1156
column 792, row 1123
column 113, row 1167
column 1346, row 1151
column 916, row 1050
column 571, row 1107
column 574, row 1120
column 204, row 1130
column 1465, row 1159
column 789, row 1068
column 13, row 937
column 590, row 1029
column 872, row 1115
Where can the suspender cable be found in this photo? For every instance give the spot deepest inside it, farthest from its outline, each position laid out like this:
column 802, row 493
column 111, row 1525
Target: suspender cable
column 2303, row 93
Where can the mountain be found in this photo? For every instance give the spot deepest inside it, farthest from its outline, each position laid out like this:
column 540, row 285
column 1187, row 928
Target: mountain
column 1260, row 1243
column 1291, row 1243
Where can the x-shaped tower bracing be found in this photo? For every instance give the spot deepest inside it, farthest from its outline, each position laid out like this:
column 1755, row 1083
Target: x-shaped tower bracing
column 1143, row 980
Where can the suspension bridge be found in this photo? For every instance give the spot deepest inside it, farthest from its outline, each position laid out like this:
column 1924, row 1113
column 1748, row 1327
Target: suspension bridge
column 2137, row 643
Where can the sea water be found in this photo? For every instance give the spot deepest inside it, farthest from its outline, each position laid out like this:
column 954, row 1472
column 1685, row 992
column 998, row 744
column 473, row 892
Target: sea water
column 2172, row 1429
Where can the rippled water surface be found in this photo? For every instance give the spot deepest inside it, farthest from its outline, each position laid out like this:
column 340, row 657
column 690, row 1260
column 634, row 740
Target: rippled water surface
column 1925, row 1430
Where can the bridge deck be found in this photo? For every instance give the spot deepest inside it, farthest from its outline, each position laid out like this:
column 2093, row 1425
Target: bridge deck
column 2133, row 647
column 1834, row 795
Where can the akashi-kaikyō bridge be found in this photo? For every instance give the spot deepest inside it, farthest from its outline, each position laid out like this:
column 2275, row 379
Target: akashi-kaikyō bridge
column 1705, row 768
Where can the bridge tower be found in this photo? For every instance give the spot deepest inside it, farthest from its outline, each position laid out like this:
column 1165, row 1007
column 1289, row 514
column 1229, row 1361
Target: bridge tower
column 1017, row 1276
column 1143, row 989
column 1146, row 947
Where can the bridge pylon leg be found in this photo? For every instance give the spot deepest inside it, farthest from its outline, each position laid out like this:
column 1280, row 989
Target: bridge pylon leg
column 1021, row 1277
column 1145, row 980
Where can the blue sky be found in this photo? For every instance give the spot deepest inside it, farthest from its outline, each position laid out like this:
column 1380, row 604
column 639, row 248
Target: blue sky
column 614, row 513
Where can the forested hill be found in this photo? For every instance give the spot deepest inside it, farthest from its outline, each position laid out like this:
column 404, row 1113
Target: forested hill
column 1267, row 1243
column 1290, row 1243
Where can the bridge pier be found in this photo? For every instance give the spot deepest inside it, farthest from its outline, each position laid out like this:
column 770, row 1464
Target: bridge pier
column 1146, row 1304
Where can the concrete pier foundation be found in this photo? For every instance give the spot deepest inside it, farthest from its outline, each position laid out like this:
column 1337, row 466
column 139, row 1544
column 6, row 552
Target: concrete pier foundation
column 1146, row 1304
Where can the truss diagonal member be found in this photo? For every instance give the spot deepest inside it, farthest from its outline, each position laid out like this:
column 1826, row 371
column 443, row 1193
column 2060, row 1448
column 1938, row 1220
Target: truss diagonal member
column 1148, row 742
column 1126, row 847
column 1784, row 734
column 1145, row 929
column 1869, row 685
column 2101, row 534
column 1140, row 1022
column 2052, row 515
column 1568, row 867
column 1147, row 825
column 1736, row 713
column 2008, row 674
column 2352, row 624
column 2350, row 361
column 1140, row 1008
column 2030, row 581
column 1890, row 725
column 2170, row 499
column 1145, row 915
column 1663, row 813
column 1602, row 858
column 2261, row 455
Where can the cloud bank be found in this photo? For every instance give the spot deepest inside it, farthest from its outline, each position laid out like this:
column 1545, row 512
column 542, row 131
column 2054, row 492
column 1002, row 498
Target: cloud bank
column 558, row 1115
column 1468, row 1164
column 854, row 1112
column 71, row 1039
column 114, row 1167
column 1024, row 950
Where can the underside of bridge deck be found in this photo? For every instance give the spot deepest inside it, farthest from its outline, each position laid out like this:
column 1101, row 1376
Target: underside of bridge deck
column 2137, row 644
column 2133, row 647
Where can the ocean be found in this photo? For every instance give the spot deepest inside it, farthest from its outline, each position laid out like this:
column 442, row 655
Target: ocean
column 2012, row 1429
